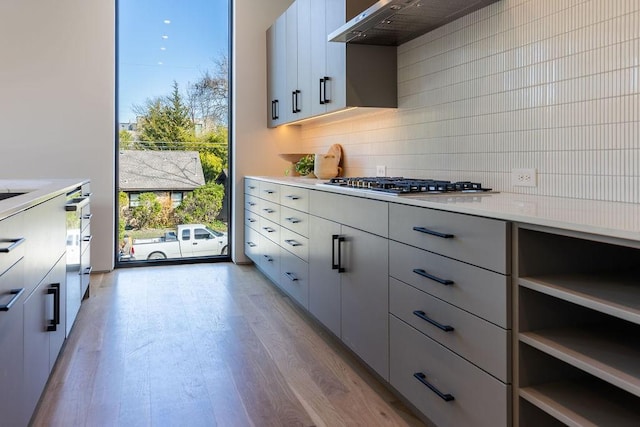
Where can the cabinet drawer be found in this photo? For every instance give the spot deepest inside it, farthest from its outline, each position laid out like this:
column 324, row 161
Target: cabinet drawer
column 270, row 230
column 270, row 259
column 270, row 210
column 252, row 203
column 85, row 270
column 11, row 282
column 479, row 241
column 294, row 197
column 251, row 219
column 252, row 244
column 251, row 187
column 357, row 212
column 481, row 292
column 269, row 191
column 12, row 241
column 294, row 220
column 479, row 400
column 295, row 243
column 475, row 339
column 294, row 278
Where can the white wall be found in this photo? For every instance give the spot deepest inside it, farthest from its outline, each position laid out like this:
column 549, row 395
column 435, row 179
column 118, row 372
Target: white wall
column 57, row 101
column 255, row 148
column 546, row 84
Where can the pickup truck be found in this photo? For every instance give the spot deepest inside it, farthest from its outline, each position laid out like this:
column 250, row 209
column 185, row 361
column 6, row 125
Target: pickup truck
column 189, row 240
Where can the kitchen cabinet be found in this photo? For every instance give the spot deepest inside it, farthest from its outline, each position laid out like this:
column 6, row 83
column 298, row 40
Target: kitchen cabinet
column 348, row 273
column 577, row 321
column 321, row 76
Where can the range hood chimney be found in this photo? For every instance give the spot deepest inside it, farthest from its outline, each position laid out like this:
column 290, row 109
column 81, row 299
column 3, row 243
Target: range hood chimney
column 393, row 22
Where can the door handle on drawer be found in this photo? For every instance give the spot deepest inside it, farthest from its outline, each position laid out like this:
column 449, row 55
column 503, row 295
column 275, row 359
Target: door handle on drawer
column 268, row 210
column 423, row 379
column 291, row 276
column 269, row 191
column 292, row 197
column 88, row 270
column 251, row 220
column 423, row 273
column 87, row 238
column 87, row 216
column 292, row 220
column 251, row 203
column 55, row 291
column 268, row 258
column 433, row 233
column 14, row 244
column 251, row 187
column 269, row 229
column 421, row 314
column 292, row 242
column 251, row 244
column 16, row 295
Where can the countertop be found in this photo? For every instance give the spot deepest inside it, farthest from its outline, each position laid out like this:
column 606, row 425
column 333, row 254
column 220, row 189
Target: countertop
column 611, row 219
column 35, row 191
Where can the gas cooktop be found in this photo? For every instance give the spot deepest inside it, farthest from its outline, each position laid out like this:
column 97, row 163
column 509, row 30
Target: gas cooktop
column 407, row 186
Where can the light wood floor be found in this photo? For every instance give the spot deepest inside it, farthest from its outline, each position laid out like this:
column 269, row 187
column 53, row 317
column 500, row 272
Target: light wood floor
column 206, row 345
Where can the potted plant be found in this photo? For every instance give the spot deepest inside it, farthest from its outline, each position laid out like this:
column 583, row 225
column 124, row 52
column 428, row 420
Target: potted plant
column 304, row 166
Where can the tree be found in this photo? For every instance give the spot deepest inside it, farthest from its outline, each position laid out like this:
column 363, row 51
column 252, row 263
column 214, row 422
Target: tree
column 126, row 139
column 208, row 98
column 147, row 212
column 201, row 206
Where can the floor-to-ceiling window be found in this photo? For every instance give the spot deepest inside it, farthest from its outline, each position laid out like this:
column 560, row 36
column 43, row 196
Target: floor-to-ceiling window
column 173, row 139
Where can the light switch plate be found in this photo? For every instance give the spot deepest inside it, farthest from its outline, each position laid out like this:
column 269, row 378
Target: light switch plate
column 381, row 170
column 524, row 177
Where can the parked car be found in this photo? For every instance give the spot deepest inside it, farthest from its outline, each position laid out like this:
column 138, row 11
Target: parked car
column 188, row 240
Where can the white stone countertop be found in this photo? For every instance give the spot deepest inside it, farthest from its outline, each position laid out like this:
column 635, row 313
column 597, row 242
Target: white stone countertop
column 611, row 219
column 34, row 191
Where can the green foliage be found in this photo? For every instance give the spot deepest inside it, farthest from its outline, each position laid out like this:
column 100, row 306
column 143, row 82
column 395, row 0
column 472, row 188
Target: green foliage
column 147, row 212
column 126, row 139
column 305, row 164
column 211, row 166
column 201, row 206
column 123, row 205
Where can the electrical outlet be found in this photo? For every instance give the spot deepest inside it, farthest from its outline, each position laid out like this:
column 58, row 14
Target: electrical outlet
column 381, row 170
column 524, row 177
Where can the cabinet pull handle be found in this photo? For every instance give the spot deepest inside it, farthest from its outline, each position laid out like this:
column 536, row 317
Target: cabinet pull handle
column 252, row 187
column 251, row 203
column 325, row 100
column 89, row 194
column 16, row 295
column 268, row 258
column 87, row 238
column 341, row 269
column 434, row 233
column 292, row 220
column 293, row 102
column 320, row 97
column 268, row 210
column 269, row 229
column 291, row 276
column 251, row 244
column 269, row 191
column 251, row 220
column 55, row 291
column 421, row 314
column 293, row 243
column 277, row 109
column 14, row 244
column 292, row 197
column 334, row 265
column 87, row 216
column 423, row 379
column 88, row 270
column 273, row 110
column 423, row 273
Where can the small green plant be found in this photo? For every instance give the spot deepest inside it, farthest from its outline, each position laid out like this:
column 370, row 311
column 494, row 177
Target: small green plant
column 305, row 164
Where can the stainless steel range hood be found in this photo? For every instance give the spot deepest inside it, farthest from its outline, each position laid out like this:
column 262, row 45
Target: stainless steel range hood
column 393, row 22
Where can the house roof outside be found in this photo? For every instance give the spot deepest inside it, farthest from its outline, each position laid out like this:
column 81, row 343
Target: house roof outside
column 147, row 170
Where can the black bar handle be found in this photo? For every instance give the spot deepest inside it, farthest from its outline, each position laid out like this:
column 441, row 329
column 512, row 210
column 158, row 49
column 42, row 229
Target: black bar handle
column 293, row 220
column 277, row 109
column 268, row 258
column 423, row 273
column 434, row 233
column 14, row 244
column 325, row 100
column 269, row 229
column 251, row 244
column 341, row 239
column 292, row 197
column 55, row 291
column 251, row 203
column 251, row 220
column 87, row 216
column 291, row 276
column 297, row 92
column 87, row 238
column 423, row 379
column 88, row 270
column 268, row 210
column 421, row 314
column 16, row 295
column 273, row 110
column 293, row 102
column 293, row 243
column 320, row 97
column 334, row 265
column 269, row 191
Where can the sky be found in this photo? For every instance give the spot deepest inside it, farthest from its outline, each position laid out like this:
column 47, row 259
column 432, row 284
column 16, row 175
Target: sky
column 160, row 41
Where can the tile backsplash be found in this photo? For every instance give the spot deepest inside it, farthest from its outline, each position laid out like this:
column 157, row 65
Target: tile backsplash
column 547, row 84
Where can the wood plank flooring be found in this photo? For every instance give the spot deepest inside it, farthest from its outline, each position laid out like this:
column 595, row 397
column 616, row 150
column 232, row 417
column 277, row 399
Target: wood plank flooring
column 206, row 345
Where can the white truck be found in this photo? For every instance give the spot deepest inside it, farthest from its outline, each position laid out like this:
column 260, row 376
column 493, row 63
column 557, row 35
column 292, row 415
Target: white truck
column 189, row 240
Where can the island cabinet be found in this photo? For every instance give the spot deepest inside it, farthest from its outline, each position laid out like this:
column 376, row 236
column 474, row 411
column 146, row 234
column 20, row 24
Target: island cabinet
column 577, row 317
column 348, row 273
column 450, row 315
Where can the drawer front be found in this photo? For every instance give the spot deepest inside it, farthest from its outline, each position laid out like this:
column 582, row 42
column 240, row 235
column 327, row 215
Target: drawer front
column 270, row 230
column 251, row 219
column 270, row 210
column 481, row 292
column 295, row 243
column 252, row 244
column 294, row 278
column 479, row 241
column 252, row 203
column 269, row 191
column 294, row 197
column 85, row 269
column 294, row 220
column 270, row 259
column 357, row 212
column 475, row 339
column 12, row 241
column 12, row 279
column 479, row 400
column 251, row 187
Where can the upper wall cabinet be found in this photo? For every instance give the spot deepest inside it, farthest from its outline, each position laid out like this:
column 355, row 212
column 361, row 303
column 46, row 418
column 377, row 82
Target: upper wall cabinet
column 319, row 76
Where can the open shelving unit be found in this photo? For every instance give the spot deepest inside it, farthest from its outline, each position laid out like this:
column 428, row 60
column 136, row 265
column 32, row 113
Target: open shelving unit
column 577, row 302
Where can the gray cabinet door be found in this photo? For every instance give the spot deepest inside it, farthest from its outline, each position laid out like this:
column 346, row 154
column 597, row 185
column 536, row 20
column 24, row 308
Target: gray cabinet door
column 276, row 73
column 336, row 54
column 365, row 297
column 324, row 282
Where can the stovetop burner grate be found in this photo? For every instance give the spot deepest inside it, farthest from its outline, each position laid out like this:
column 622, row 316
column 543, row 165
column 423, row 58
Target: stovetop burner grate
column 401, row 185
